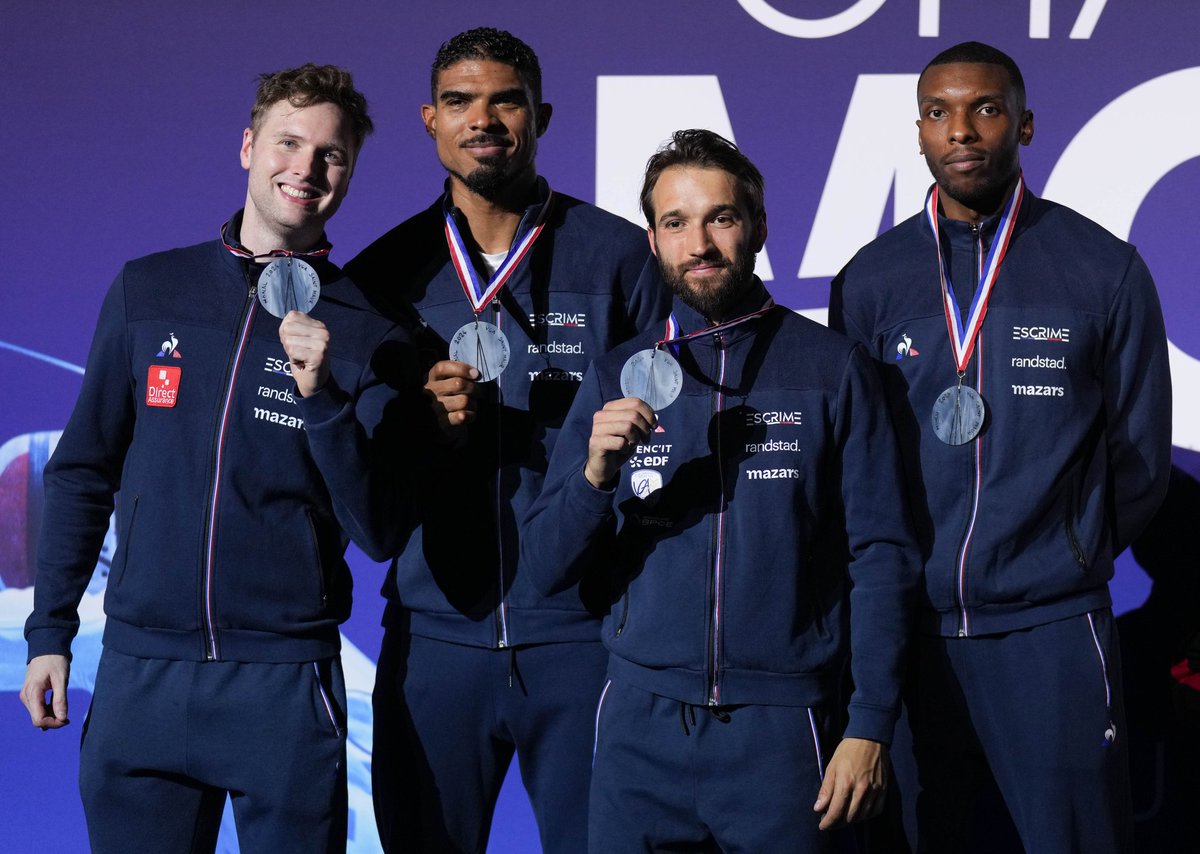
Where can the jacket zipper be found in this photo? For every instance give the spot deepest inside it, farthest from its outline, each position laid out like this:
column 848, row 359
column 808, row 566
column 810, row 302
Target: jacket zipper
column 502, row 608
column 964, row 622
column 624, row 613
column 316, row 543
column 210, row 634
column 714, row 694
column 1076, row 548
column 126, row 542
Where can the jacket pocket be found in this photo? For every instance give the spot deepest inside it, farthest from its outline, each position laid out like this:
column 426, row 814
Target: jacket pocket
column 624, row 613
column 319, row 564
column 1072, row 513
column 124, row 545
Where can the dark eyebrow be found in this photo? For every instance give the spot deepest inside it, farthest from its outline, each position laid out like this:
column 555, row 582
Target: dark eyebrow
column 982, row 99
column 515, row 95
column 709, row 214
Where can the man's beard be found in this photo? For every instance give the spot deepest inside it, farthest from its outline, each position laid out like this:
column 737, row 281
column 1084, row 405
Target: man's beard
column 716, row 301
column 488, row 179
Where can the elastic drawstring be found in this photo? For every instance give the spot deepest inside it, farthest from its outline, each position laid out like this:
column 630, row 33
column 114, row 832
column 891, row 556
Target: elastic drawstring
column 686, row 710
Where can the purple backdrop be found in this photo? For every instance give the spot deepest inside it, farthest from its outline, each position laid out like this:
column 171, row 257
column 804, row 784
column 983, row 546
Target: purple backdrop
column 134, row 111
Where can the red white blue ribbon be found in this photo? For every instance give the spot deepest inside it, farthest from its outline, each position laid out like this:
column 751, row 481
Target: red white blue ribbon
column 963, row 338
column 242, row 252
column 672, row 335
column 478, row 292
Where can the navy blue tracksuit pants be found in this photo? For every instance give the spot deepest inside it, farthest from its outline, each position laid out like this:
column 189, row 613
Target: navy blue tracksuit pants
column 1035, row 715
column 448, row 719
column 165, row 741
column 670, row 776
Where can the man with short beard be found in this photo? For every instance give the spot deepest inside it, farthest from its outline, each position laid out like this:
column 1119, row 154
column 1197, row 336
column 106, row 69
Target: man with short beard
column 1027, row 370
column 516, row 289
column 734, row 478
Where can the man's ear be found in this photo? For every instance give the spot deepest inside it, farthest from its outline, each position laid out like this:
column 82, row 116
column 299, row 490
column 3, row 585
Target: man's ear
column 760, row 232
column 429, row 118
column 1026, row 127
column 650, row 237
column 247, row 146
column 544, row 111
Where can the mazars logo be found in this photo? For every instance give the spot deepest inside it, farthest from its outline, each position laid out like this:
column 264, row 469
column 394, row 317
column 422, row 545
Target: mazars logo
column 773, row 418
column 1042, row 333
column 576, row 319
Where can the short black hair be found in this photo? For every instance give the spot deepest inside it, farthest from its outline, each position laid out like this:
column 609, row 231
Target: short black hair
column 985, row 54
column 492, row 44
column 707, row 150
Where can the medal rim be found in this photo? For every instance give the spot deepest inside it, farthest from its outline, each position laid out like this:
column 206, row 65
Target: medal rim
column 651, row 354
column 498, row 336
column 979, row 403
column 305, row 269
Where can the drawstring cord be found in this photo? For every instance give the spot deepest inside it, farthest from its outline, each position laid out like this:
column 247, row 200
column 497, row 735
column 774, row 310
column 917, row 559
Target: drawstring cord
column 688, row 712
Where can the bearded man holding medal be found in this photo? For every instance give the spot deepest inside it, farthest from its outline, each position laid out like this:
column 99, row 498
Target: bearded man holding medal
column 514, row 289
column 1026, row 363
column 734, row 478
column 239, row 489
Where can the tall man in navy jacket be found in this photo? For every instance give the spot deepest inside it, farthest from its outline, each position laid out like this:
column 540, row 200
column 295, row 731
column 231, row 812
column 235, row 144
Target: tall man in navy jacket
column 732, row 477
column 246, row 450
column 1028, row 373
column 517, row 288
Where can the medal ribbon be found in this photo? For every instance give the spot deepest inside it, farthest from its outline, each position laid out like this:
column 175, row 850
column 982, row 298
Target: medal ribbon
column 963, row 339
column 672, row 335
column 478, row 292
column 242, row 252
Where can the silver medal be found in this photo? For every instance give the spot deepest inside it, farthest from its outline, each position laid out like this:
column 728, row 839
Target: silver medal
column 288, row 284
column 958, row 415
column 654, row 376
column 482, row 346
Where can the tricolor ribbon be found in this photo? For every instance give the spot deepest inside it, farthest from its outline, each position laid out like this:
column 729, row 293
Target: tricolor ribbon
column 478, row 292
column 242, row 252
column 672, row 335
column 963, row 339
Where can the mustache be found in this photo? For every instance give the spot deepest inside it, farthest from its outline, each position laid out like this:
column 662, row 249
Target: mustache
column 486, row 139
column 716, row 259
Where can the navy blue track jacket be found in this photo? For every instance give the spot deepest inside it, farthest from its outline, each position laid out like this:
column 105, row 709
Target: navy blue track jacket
column 236, row 494
column 588, row 283
column 756, row 537
column 1020, row 526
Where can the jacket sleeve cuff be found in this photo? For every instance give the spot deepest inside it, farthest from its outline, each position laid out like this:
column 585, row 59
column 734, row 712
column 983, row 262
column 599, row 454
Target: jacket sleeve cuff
column 327, row 404
column 871, row 722
column 587, row 498
column 47, row 642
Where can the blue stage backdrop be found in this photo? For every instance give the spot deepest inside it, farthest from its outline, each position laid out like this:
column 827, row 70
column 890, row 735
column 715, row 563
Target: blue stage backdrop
column 125, row 121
